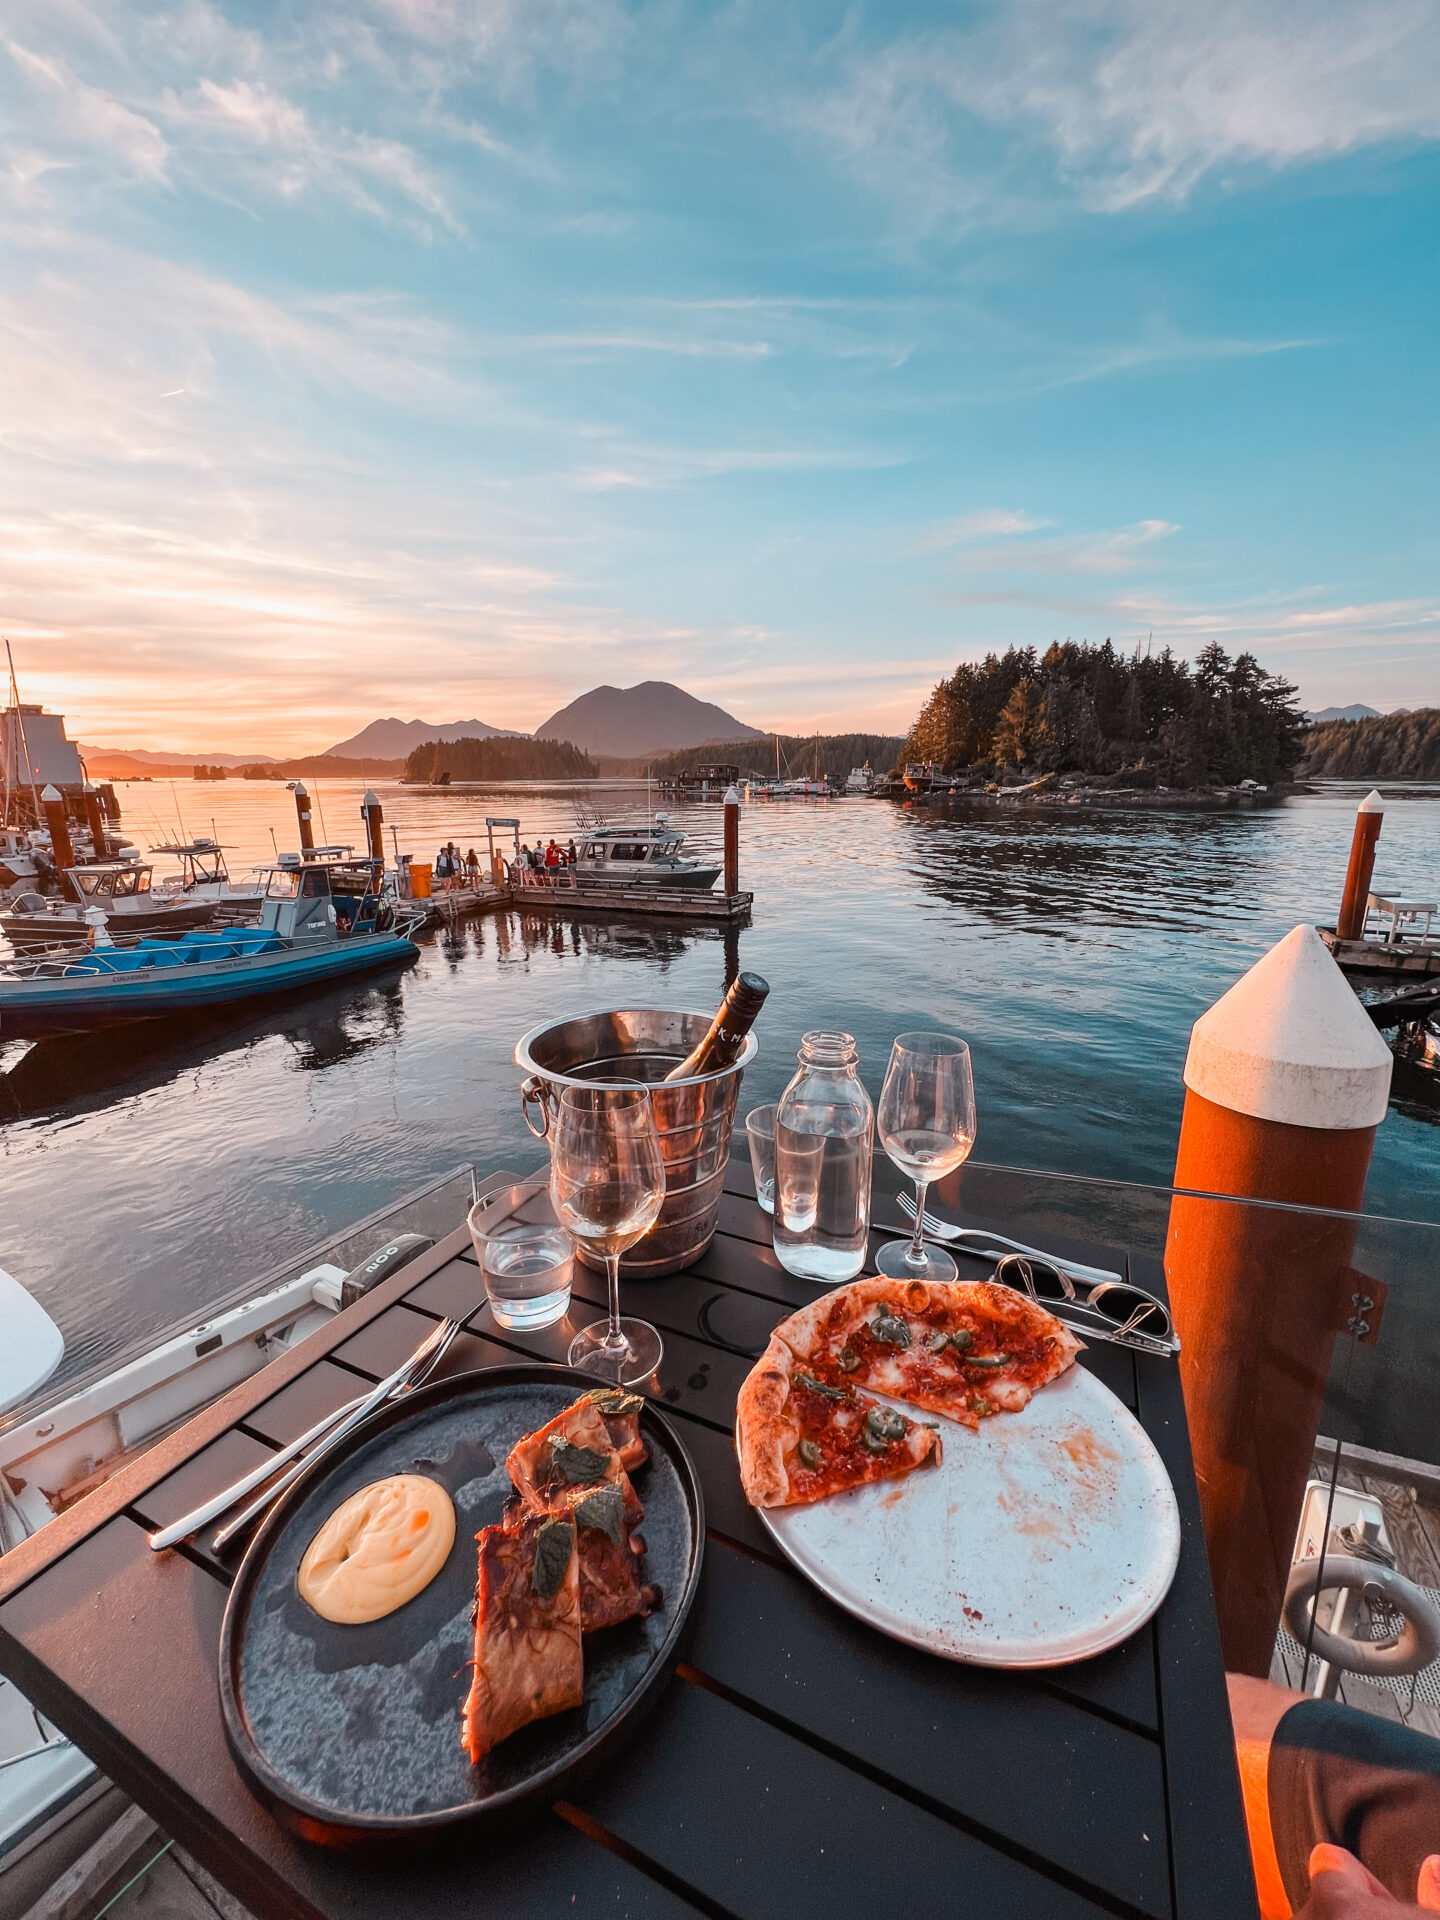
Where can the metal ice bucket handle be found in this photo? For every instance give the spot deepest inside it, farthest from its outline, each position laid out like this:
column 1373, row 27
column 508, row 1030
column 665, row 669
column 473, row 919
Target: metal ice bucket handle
column 532, row 1095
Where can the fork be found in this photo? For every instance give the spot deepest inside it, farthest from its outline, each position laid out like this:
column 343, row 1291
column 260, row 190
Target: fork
column 942, row 1230
column 332, row 1427
column 421, row 1365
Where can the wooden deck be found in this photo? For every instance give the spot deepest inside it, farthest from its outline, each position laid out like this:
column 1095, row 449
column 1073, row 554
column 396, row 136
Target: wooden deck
column 1405, row 960
column 681, row 903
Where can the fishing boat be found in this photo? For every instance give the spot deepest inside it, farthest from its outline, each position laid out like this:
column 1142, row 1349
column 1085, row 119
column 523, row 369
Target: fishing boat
column 204, row 875
column 121, row 890
column 648, row 856
column 62, row 1435
column 860, row 780
column 321, row 917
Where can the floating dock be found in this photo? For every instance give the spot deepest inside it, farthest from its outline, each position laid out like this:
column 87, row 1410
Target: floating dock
column 1383, row 959
column 678, row 903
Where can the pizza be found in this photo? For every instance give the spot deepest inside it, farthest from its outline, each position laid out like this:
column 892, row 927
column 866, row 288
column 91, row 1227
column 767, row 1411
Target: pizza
column 528, row 1662
column 802, row 1437
column 964, row 1350
column 565, row 1561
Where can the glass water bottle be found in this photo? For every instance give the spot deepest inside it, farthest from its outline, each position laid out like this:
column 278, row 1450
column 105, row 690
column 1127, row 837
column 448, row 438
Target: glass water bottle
column 824, row 1130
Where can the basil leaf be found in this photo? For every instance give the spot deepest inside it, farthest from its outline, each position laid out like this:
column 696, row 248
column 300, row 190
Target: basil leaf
column 603, row 1511
column 577, row 1464
column 554, row 1544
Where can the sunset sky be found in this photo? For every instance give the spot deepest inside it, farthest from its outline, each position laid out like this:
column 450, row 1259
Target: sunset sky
column 447, row 357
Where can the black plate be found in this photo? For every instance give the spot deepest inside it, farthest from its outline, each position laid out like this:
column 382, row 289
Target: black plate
column 352, row 1734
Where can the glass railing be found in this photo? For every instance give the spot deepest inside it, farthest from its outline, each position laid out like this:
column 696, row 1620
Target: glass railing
column 1311, row 1368
column 435, row 1210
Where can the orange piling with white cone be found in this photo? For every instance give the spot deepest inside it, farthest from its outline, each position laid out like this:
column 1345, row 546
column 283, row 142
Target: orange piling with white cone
column 52, row 803
column 1368, row 821
column 374, row 818
column 732, row 841
column 1286, row 1081
column 302, row 814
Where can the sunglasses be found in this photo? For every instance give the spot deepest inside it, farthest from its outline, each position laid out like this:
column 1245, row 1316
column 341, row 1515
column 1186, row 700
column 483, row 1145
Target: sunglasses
column 1104, row 1309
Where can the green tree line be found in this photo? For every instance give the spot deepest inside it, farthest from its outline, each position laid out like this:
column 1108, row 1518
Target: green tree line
column 835, row 754
column 1396, row 746
column 1088, row 709
column 499, row 759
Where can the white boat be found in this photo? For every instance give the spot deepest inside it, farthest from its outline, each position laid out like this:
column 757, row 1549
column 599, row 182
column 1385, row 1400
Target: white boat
column 204, row 875
column 57, row 1446
column 119, row 889
column 647, row 856
column 860, row 780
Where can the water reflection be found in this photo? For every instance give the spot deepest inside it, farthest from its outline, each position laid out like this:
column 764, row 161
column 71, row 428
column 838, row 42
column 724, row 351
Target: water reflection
column 77, row 1073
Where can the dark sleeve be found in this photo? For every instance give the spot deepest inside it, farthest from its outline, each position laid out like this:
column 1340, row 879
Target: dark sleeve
column 1359, row 1782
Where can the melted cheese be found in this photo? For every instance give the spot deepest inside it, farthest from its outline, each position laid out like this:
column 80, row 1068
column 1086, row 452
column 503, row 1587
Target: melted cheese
column 378, row 1550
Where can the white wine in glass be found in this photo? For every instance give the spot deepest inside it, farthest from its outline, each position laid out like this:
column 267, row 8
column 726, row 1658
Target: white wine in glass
column 926, row 1123
column 607, row 1184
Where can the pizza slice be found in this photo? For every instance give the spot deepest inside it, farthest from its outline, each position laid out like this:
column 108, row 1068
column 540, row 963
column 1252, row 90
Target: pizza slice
column 801, row 1437
column 528, row 1663
column 965, row 1349
column 621, row 1413
column 572, row 1450
column 610, row 1552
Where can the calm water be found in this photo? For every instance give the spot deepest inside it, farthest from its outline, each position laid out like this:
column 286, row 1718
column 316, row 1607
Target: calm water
column 145, row 1172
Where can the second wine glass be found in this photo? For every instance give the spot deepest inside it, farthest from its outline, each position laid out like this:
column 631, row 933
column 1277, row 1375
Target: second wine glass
column 926, row 1123
column 607, row 1184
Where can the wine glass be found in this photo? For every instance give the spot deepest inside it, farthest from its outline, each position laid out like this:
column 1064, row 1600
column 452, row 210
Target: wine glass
column 607, row 1182
column 926, row 1124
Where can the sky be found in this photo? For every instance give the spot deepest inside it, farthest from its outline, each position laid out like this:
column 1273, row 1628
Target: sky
column 444, row 358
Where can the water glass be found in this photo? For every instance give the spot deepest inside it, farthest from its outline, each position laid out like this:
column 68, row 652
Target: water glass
column 525, row 1255
column 760, row 1132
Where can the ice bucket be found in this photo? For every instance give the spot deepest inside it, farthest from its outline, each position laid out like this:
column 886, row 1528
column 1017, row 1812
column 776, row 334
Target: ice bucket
column 694, row 1117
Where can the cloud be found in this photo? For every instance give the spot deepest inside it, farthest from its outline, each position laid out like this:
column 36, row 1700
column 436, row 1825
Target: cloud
column 975, row 526
column 89, row 117
column 1133, row 100
column 995, row 541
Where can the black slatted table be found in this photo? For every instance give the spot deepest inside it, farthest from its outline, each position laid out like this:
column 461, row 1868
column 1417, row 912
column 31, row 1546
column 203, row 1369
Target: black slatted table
column 799, row 1764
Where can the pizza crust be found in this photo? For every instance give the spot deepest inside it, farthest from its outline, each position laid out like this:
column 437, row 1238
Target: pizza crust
column 764, row 1427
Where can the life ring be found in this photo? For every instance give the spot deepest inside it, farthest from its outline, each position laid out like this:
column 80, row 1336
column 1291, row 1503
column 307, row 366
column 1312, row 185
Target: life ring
column 1405, row 1652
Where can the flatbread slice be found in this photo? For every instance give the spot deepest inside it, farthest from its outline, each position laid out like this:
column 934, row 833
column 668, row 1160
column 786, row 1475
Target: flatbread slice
column 964, row 1349
column 801, row 1438
column 528, row 1663
column 572, row 1450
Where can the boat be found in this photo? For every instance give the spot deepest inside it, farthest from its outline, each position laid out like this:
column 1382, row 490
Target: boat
column 56, row 1446
column 120, row 890
column 860, row 780
column 204, row 876
column 647, row 856
column 320, row 918
column 922, row 775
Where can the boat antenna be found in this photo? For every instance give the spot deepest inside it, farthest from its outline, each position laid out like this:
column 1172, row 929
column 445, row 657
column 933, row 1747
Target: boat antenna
column 174, row 795
column 20, row 725
column 274, row 843
column 320, row 805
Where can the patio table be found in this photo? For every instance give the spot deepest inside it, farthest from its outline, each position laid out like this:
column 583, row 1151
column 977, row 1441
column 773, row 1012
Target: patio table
column 799, row 1763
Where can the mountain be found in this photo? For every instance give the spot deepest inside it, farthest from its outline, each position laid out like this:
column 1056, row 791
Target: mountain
column 179, row 758
column 393, row 739
column 650, row 718
column 1326, row 714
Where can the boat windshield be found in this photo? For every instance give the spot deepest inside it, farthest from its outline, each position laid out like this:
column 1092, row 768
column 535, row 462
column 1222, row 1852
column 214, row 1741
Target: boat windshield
column 628, row 850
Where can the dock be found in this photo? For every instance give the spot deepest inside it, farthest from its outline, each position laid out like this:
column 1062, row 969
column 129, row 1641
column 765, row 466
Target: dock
column 567, row 896
column 1376, row 960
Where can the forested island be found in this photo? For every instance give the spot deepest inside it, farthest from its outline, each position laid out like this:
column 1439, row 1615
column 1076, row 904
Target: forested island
column 1144, row 719
column 1394, row 746
column 799, row 755
column 501, row 758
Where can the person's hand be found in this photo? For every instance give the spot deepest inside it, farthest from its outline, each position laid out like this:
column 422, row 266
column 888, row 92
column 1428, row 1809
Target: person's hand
column 1341, row 1889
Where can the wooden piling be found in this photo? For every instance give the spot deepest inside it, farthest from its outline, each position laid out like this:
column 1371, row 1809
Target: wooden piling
column 1369, row 818
column 374, row 818
column 302, row 814
column 1286, row 1080
column 732, row 841
column 52, row 804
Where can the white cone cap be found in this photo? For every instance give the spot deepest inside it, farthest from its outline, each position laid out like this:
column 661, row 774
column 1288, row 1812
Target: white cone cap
column 1290, row 1042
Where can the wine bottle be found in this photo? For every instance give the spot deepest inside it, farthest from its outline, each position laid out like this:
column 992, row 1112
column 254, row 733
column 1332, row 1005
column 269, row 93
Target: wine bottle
column 721, row 1045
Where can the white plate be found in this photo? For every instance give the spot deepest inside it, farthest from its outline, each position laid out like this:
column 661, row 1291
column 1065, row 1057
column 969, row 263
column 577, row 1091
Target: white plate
column 1046, row 1537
